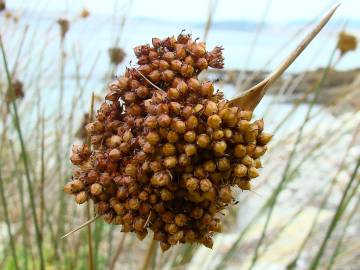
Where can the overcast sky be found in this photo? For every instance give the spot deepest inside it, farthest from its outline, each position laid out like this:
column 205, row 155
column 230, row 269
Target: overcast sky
column 196, row 10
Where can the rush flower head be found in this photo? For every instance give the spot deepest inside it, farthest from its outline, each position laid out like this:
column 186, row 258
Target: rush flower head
column 167, row 151
column 346, row 42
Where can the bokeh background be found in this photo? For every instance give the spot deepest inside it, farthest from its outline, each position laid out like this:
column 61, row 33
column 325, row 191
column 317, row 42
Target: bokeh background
column 303, row 211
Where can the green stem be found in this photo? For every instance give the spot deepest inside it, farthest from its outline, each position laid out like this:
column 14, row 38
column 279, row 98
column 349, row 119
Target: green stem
column 8, row 225
column 24, row 158
column 339, row 212
column 284, row 179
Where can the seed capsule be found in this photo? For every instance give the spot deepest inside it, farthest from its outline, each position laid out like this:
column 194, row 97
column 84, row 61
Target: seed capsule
column 207, row 89
column 223, row 164
column 168, row 75
column 247, row 161
column 190, row 136
column 244, row 185
column 192, row 184
column 180, row 126
column 190, row 149
column 252, row 172
column 202, row 63
column 168, row 149
column 170, row 162
column 96, row 189
column 239, row 151
column 166, row 195
column 240, row 170
column 184, row 160
column 176, row 65
column 218, row 134
column 154, row 76
column 210, row 108
column 153, row 138
column 73, row 186
column 209, row 166
column 214, row 121
column 81, row 197
column 203, row 140
column 225, row 195
column 194, row 84
column 186, row 70
column 264, row 138
column 192, row 122
column 259, row 151
column 160, row 179
column 173, row 93
column 164, row 120
column 180, row 220
column 205, row 185
column 220, row 148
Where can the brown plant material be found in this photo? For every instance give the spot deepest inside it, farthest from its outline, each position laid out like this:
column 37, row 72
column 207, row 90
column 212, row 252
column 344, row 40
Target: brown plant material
column 166, row 149
column 64, row 26
column 18, row 91
column 2, row 5
column 117, row 55
column 249, row 99
column 346, row 42
column 84, row 13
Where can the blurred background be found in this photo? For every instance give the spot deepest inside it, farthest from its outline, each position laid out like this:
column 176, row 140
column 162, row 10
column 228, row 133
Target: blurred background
column 303, row 211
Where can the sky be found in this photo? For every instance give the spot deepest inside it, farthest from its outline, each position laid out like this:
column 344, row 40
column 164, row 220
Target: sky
column 197, row 10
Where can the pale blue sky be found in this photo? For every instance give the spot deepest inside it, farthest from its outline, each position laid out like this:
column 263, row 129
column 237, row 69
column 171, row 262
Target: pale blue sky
column 196, row 10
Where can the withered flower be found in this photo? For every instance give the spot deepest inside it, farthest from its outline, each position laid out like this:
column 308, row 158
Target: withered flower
column 346, row 42
column 18, row 91
column 64, row 26
column 85, row 13
column 116, row 55
column 166, row 149
column 2, row 5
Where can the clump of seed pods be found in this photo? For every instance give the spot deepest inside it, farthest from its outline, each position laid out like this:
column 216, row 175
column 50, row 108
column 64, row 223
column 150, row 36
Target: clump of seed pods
column 166, row 150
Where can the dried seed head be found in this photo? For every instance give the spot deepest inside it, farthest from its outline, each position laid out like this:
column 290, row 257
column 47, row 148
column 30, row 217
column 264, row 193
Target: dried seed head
column 165, row 150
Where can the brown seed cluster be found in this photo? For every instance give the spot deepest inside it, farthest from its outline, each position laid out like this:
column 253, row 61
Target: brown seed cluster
column 17, row 91
column 64, row 25
column 346, row 42
column 117, row 55
column 166, row 149
column 2, row 5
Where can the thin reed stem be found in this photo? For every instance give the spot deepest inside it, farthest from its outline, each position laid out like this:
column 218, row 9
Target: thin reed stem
column 338, row 214
column 284, row 178
column 7, row 221
column 118, row 252
column 24, row 158
column 89, row 235
column 150, row 255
